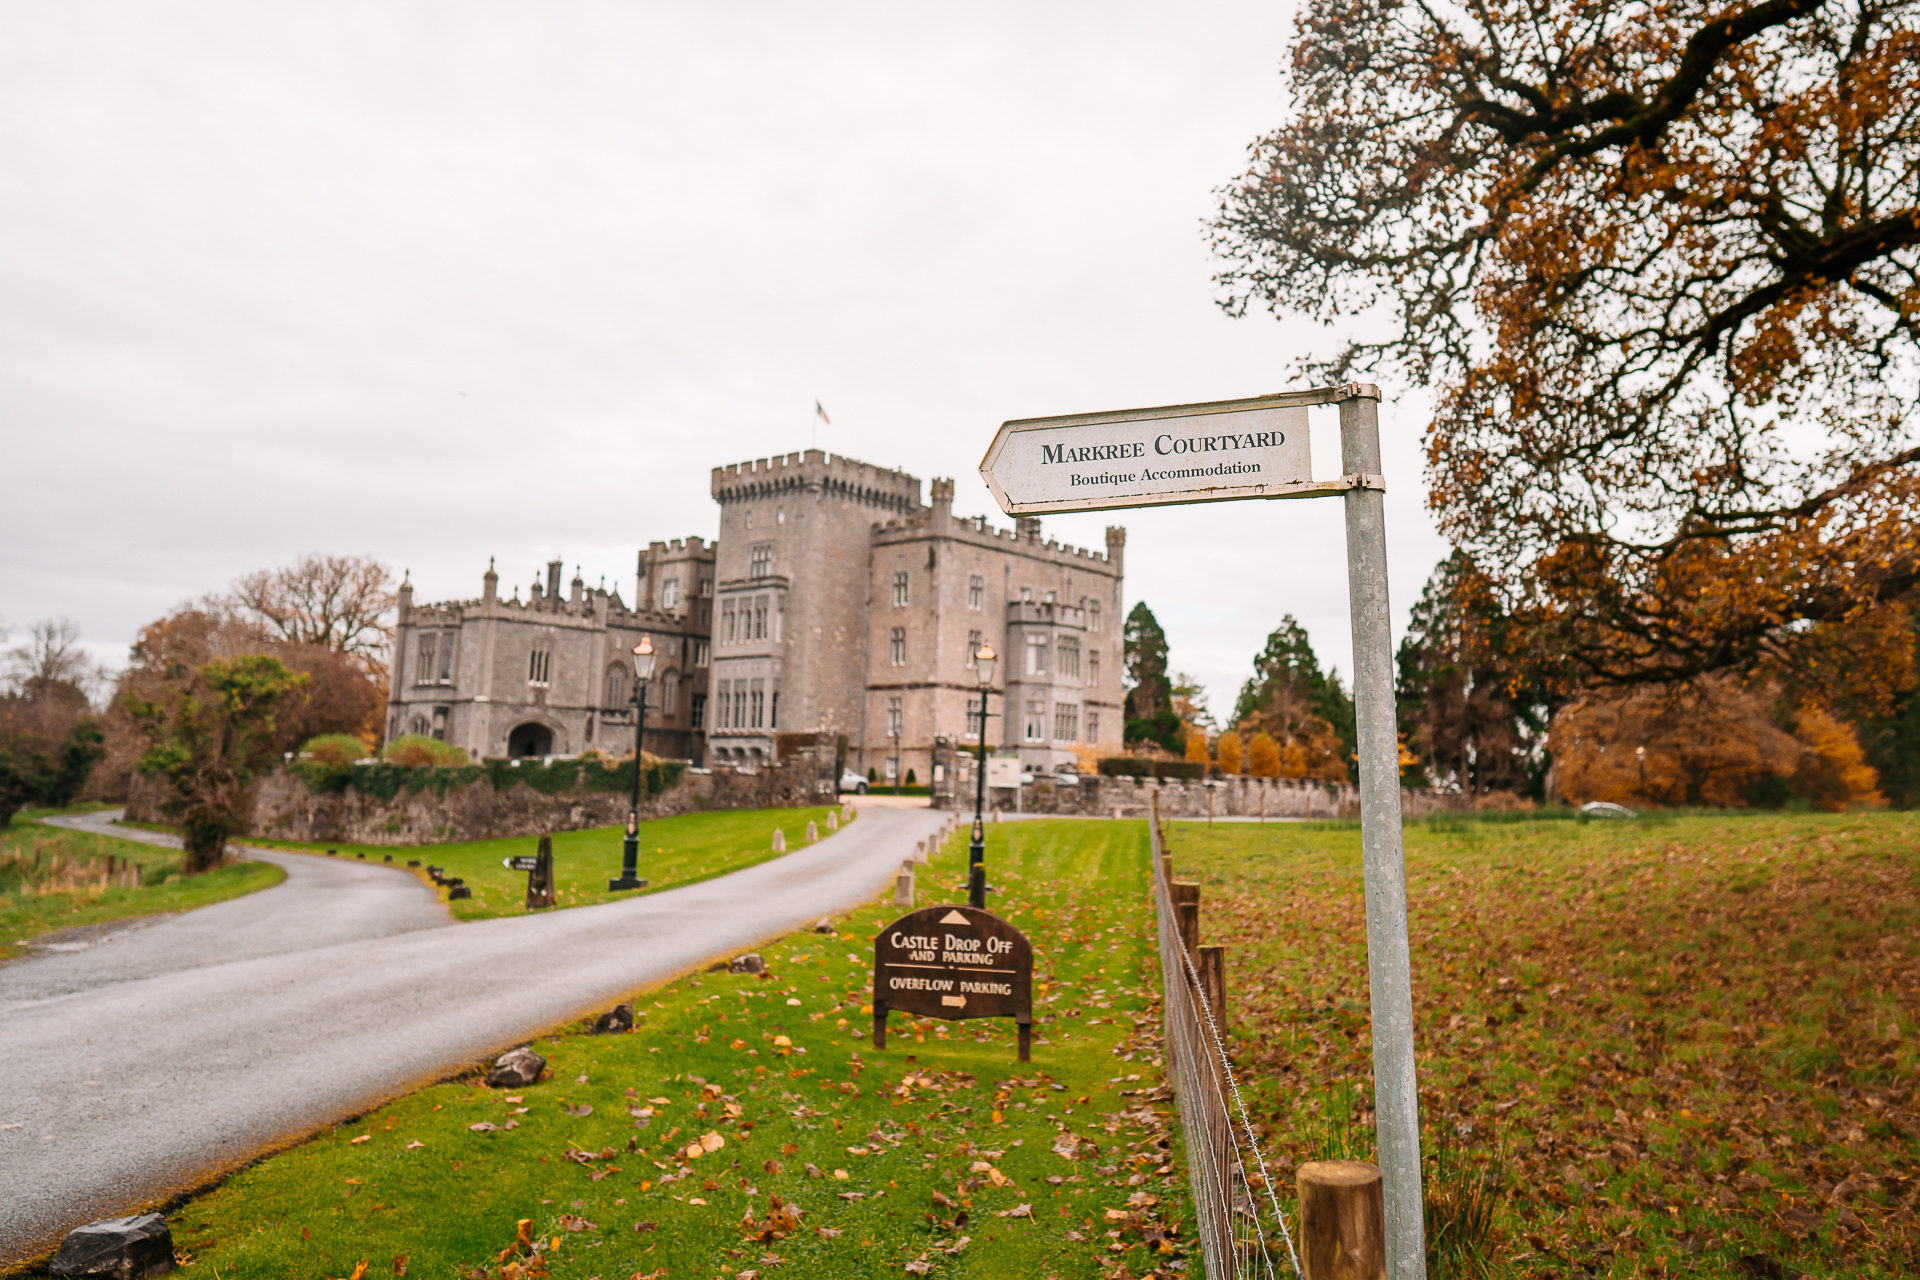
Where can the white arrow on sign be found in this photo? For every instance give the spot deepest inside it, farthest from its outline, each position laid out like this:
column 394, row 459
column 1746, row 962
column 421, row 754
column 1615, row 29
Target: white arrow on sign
column 1212, row 452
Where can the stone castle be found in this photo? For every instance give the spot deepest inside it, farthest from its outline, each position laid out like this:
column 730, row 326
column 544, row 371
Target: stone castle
column 833, row 603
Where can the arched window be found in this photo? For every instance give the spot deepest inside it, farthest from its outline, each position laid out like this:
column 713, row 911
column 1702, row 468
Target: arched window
column 616, row 686
column 418, row 725
column 669, row 692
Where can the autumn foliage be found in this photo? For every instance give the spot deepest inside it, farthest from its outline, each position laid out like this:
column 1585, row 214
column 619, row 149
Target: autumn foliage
column 1709, row 743
column 1660, row 265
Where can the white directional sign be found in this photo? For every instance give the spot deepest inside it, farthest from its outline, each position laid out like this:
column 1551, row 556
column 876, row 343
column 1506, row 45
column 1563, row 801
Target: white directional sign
column 1157, row 457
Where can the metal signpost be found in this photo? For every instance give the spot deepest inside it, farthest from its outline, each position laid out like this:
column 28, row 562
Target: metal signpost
column 1258, row 448
column 953, row 963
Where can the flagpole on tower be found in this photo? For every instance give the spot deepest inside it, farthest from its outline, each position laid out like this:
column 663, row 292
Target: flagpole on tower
column 820, row 415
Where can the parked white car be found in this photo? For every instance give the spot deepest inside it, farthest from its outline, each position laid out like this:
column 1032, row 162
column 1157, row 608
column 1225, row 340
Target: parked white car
column 851, row 781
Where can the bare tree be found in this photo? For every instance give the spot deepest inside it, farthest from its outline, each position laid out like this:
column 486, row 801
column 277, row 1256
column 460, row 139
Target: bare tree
column 333, row 602
column 51, row 659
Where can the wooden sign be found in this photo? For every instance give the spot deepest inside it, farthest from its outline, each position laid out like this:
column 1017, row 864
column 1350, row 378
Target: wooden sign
column 953, row 963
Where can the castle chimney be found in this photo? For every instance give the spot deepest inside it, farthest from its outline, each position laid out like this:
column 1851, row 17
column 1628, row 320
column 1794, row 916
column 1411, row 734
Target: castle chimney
column 553, row 579
column 1027, row 528
column 490, row 590
column 578, row 588
column 1116, row 544
column 942, row 491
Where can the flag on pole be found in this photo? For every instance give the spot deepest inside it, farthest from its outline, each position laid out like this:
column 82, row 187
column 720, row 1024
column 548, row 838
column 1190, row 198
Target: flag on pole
column 821, row 413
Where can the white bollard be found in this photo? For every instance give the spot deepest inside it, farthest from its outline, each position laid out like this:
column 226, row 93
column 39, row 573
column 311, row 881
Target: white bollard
column 903, row 888
column 813, row 833
column 779, row 840
column 833, row 820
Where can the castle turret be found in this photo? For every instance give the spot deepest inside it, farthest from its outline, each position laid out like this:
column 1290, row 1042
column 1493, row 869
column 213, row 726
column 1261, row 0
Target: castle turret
column 577, row 589
column 553, row 580
column 1116, row 546
column 490, row 585
column 406, row 593
column 942, row 490
column 1027, row 528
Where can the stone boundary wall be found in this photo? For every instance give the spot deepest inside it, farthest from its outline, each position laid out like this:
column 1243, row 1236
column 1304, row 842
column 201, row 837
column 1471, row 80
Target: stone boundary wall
column 1232, row 798
column 281, row 806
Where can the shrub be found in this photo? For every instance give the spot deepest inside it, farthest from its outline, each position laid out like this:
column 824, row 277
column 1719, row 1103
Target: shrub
column 416, row 751
column 334, row 748
column 911, row 780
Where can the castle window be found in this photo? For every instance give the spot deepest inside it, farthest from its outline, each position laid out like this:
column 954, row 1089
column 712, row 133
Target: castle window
column 1093, row 675
column 976, row 591
column 1093, row 726
column 670, row 594
column 973, row 647
column 897, row 647
column 1093, row 615
column 702, row 653
column 759, row 705
column 773, row 707
column 899, row 588
column 739, row 704
column 723, row 717
column 1036, row 655
column 440, row 724
column 1066, row 722
column 706, row 588
column 896, row 718
column 670, row 693
column 697, row 711
column 539, row 666
column 446, row 658
column 616, row 685
column 973, row 717
column 762, row 560
column 1026, row 594
column 1036, row 721
column 417, row 726
column 759, row 618
column 423, row 669
column 1048, row 598
column 1069, row 651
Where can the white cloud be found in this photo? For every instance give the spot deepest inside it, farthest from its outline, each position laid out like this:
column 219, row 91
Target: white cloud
column 436, row 282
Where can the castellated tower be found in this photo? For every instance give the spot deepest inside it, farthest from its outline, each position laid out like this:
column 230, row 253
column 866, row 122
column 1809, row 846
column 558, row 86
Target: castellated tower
column 791, row 595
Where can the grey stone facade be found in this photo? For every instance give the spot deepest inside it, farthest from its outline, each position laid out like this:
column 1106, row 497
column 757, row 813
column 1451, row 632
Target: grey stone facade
column 551, row 675
column 834, row 602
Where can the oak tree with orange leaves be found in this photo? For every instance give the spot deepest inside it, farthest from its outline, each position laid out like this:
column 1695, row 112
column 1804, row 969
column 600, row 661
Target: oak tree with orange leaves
column 1660, row 265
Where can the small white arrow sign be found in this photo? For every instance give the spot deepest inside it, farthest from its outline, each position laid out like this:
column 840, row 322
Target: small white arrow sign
column 954, row 1002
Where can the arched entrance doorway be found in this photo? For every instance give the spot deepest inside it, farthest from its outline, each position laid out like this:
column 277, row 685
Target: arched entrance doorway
column 530, row 740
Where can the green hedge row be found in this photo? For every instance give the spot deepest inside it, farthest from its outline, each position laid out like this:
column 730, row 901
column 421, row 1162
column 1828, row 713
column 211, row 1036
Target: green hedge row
column 386, row 781
column 1144, row 767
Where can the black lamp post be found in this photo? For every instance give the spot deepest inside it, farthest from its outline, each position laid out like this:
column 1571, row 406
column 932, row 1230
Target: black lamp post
column 977, row 852
column 630, row 852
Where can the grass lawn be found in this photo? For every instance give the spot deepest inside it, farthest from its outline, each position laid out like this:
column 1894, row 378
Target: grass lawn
column 942, row 1154
column 54, row 879
column 673, row 852
column 1665, row 1044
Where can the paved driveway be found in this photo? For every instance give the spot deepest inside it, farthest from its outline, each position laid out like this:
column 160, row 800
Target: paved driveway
column 151, row 1063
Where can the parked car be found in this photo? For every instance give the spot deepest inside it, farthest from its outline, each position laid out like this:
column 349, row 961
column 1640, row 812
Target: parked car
column 1066, row 776
column 851, row 781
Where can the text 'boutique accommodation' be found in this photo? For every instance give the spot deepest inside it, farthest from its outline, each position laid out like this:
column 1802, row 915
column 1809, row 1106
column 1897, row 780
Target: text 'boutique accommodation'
column 833, row 603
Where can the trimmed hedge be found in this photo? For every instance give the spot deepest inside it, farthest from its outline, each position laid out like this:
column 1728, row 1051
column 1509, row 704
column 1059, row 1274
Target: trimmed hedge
column 1145, row 767
column 387, row 781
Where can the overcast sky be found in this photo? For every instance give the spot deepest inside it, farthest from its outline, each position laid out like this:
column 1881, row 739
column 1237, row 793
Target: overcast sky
column 439, row 282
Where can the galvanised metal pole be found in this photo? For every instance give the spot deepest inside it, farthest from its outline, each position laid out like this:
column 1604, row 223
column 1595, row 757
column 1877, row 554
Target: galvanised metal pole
column 1389, row 976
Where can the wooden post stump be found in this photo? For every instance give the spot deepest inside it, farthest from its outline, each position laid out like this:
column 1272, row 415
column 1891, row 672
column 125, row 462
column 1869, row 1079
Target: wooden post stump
column 1343, row 1224
column 1213, row 984
column 1186, row 913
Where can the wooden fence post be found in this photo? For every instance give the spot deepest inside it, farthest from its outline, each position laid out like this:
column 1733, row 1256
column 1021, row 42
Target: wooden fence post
column 1343, row 1225
column 1185, row 895
column 1213, row 983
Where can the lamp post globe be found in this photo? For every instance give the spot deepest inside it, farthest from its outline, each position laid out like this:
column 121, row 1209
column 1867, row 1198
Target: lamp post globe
column 630, row 877
column 983, row 662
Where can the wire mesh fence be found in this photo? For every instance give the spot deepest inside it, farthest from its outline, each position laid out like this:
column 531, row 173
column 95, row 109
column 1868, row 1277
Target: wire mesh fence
column 1243, row 1232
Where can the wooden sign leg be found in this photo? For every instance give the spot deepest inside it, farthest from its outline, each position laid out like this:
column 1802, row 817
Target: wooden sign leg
column 1026, row 1041
column 879, row 1026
